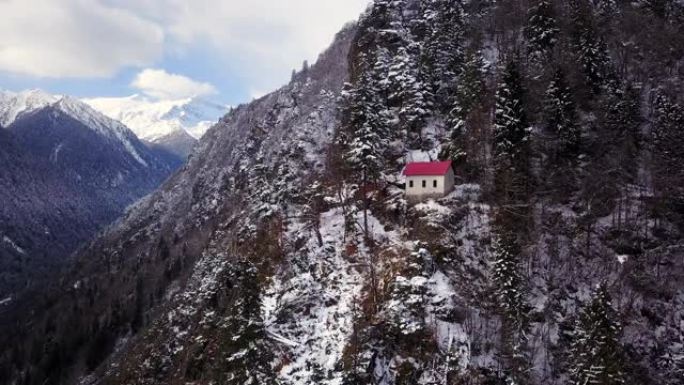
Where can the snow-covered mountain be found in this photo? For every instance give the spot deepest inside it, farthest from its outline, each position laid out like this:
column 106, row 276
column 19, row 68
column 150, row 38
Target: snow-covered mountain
column 153, row 120
column 67, row 170
column 15, row 105
column 271, row 258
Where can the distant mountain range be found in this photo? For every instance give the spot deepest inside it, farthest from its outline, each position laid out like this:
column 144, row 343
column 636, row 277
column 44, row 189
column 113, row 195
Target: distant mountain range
column 67, row 170
column 174, row 126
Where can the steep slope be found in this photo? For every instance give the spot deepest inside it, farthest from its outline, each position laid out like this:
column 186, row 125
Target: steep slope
column 172, row 125
column 284, row 252
column 68, row 171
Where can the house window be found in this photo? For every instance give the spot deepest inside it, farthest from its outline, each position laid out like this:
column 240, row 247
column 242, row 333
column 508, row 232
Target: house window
column 434, row 183
column 411, row 184
column 424, row 183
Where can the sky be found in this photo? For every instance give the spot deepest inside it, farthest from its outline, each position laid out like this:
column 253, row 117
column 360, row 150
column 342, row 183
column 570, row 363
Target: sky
column 229, row 51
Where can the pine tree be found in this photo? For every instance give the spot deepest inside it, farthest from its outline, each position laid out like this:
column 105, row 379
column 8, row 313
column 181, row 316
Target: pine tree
column 668, row 141
column 596, row 351
column 407, row 88
column 621, row 121
column 368, row 129
column 405, row 309
column 443, row 53
column 509, row 291
column 561, row 115
column 246, row 357
column 541, row 30
column 591, row 50
column 469, row 94
column 511, row 129
column 366, row 137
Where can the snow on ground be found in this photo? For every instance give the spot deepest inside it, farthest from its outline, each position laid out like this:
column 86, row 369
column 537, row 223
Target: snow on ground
column 451, row 337
column 310, row 314
column 9, row 241
column 5, row 301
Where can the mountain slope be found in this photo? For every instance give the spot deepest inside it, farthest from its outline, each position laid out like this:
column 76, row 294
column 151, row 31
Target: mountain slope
column 284, row 252
column 68, row 171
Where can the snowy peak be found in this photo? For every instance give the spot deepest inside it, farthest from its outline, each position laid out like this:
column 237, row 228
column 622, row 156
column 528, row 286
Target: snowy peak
column 152, row 120
column 13, row 105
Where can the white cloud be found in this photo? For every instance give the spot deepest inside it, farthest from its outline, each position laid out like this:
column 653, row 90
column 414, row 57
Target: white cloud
column 165, row 86
column 257, row 41
column 74, row 38
column 264, row 39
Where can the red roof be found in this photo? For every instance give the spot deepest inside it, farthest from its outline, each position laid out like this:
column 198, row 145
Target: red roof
column 427, row 168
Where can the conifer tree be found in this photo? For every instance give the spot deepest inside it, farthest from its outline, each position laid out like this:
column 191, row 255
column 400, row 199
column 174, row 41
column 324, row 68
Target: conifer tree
column 561, row 114
column 469, row 94
column 366, row 141
column 368, row 131
column 541, row 30
column 247, row 357
column 510, row 296
column 443, row 53
column 668, row 141
column 596, row 350
column 591, row 50
column 511, row 128
column 621, row 123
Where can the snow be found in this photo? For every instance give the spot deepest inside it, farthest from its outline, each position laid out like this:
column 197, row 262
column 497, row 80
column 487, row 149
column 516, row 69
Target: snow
column 9, row 241
column 328, row 290
column 5, row 301
column 14, row 105
column 100, row 123
column 152, row 120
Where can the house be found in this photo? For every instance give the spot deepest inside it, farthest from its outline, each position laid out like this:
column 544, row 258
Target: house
column 428, row 180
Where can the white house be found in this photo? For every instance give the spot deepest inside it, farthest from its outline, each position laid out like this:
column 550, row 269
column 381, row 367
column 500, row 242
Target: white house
column 428, row 180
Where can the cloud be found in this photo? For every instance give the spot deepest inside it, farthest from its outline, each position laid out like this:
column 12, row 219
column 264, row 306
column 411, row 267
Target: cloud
column 165, row 86
column 265, row 39
column 261, row 40
column 257, row 42
column 74, row 38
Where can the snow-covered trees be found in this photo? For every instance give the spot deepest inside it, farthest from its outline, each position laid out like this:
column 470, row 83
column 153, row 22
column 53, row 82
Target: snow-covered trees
column 591, row 50
column 405, row 310
column 561, row 116
column 368, row 131
column 541, row 30
column 596, row 351
column 443, row 53
column 467, row 99
column 511, row 128
column 248, row 359
column 409, row 91
column 509, row 289
column 668, row 141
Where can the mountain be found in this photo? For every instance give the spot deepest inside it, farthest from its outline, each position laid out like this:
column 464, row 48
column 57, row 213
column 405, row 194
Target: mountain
column 172, row 125
column 285, row 252
column 67, row 172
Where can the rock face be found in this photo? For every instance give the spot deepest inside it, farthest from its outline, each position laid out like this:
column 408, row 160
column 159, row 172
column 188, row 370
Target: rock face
column 67, row 171
column 284, row 251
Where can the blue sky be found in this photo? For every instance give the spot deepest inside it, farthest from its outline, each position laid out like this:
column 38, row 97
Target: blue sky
column 226, row 50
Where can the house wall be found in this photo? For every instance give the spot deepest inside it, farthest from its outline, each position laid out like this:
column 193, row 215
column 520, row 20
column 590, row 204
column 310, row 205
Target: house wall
column 445, row 183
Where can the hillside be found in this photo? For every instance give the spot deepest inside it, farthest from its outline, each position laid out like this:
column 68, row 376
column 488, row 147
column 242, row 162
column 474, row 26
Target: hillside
column 67, row 172
column 284, row 252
